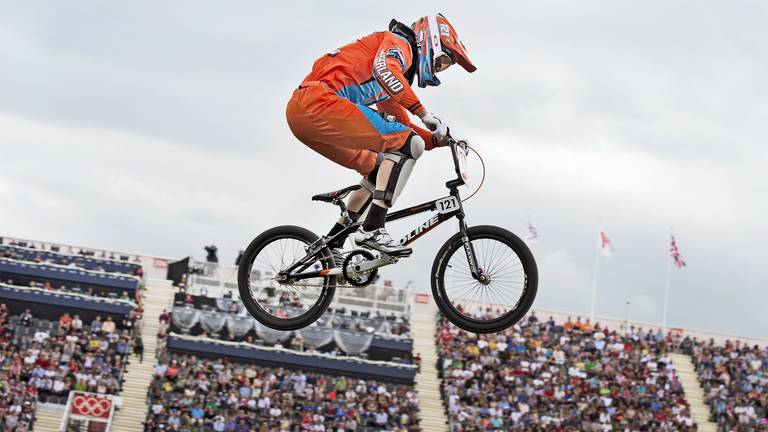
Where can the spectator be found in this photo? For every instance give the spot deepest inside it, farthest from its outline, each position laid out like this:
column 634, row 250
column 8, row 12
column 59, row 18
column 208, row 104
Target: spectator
column 65, row 322
column 26, row 318
column 108, row 327
column 96, row 325
column 138, row 348
column 165, row 317
column 211, row 255
column 211, row 260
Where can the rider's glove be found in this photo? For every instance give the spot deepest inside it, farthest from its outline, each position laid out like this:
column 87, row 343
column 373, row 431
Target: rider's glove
column 436, row 125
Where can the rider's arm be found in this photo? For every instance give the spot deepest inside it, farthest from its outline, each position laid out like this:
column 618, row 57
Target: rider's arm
column 390, row 106
column 393, row 57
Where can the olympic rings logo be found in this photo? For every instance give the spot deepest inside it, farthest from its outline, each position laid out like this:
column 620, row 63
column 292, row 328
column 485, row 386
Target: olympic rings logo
column 91, row 406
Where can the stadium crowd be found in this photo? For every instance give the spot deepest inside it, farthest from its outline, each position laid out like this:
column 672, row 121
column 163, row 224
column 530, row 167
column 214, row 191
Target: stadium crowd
column 735, row 382
column 194, row 394
column 573, row 376
column 50, row 358
column 18, row 396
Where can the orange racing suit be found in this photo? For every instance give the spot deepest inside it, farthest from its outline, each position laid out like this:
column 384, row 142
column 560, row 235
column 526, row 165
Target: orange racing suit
column 330, row 113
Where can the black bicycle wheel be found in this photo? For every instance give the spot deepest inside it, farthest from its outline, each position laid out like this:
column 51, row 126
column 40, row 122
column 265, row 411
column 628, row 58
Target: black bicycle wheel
column 503, row 299
column 287, row 305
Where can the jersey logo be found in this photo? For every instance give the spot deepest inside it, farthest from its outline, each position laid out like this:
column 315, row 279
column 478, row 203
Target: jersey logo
column 384, row 75
column 397, row 54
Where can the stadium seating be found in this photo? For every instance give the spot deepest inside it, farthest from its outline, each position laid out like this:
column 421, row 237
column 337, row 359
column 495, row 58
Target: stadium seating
column 189, row 393
column 735, row 382
column 549, row 376
column 96, row 276
column 354, row 333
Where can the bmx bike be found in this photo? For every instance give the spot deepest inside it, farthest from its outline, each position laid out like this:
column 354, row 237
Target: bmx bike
column 484, row 278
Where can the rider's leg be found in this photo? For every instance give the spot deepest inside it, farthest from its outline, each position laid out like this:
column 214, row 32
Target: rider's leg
column 356, row 204
column 391, row 178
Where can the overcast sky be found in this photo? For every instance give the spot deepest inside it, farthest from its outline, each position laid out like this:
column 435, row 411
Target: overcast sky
column 160, row 127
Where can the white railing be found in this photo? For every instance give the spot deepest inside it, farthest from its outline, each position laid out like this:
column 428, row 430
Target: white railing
column 73, row 266
column 59, row 293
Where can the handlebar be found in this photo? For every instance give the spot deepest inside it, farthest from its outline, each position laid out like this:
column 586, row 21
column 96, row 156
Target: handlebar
column 454, row 142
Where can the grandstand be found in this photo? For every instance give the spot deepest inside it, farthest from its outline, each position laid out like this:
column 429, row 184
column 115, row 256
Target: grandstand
column 379, row 359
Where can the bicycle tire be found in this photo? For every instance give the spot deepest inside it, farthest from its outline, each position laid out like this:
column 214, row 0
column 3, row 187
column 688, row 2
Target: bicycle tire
column 525, row 301
column 244, row 283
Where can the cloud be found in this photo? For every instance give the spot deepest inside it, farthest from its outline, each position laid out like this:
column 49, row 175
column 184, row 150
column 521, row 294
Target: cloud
column 161, row 132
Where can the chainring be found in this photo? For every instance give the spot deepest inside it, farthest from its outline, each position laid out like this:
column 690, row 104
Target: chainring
column 363, row 279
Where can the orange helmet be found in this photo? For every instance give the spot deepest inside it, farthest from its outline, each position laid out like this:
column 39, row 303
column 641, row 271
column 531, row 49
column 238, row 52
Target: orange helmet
column 436, row 38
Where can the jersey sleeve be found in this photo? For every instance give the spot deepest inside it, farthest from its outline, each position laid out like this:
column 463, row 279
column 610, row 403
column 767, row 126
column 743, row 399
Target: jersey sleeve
column 393, row 57
column 392, row 107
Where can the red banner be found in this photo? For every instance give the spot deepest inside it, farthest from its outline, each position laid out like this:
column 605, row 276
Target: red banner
column 91, row 406
column 160, row 263
column 421, row 298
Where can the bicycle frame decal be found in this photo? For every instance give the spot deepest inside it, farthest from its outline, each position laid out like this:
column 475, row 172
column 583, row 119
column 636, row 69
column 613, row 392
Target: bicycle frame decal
column 427, row 226
column 421, row 229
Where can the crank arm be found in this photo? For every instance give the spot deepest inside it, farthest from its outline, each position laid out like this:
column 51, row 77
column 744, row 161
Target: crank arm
column 384, row 260
column 367, row 266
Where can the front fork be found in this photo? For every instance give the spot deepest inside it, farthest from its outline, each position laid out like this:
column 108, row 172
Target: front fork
column 477, row 272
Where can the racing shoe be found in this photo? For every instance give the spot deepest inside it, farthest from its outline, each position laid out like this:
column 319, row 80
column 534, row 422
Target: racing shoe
column 380, row 240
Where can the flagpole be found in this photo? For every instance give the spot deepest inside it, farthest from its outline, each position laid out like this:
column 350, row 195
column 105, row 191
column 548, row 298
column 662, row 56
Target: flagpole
column 666, row 289
column 595, row 269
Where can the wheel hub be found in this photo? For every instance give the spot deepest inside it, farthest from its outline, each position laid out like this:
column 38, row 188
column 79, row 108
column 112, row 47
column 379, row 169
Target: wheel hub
column 484, row 279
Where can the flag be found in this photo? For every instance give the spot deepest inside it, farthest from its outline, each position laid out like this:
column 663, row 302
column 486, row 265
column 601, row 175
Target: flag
column 606, row 247
column 532, row 233
column 675, row 253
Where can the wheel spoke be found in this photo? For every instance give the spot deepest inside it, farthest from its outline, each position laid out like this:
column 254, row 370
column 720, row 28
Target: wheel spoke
column 490, row 300
column 290, row 299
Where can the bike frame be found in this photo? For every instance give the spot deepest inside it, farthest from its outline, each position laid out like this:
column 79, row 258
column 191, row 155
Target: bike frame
column 446, row 207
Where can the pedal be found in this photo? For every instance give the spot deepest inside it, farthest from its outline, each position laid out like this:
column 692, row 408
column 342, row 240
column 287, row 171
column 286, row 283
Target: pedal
column 405, row 253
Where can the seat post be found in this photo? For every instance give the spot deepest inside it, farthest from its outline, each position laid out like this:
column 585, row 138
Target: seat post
column 344, row 212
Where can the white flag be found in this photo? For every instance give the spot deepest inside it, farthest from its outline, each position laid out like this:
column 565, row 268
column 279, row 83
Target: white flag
column 533, row 235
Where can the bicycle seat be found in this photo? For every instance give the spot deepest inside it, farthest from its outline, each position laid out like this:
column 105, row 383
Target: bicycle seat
column 336, row 195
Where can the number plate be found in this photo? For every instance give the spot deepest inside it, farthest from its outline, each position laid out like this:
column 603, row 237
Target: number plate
column 462, row 155
column 447, row 204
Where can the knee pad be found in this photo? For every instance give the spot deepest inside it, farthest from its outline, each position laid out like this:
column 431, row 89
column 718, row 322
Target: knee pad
column 369, row 181
column 404, row 158
column 412, row 149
